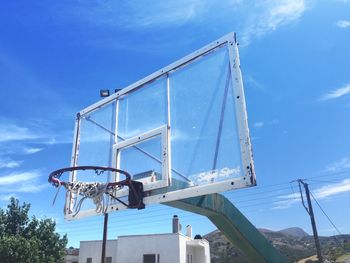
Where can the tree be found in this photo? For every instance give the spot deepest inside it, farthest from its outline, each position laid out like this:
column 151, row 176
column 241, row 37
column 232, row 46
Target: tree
column 28, row 240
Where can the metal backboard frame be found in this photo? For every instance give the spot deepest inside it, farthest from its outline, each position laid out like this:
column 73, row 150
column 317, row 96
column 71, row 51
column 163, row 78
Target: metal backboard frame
column 164, row 187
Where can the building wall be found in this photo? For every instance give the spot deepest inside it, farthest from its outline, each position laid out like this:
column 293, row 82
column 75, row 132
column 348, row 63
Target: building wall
column 93, row 249
column 171, row 248
column 71, row 258
column 132, row 248
column 183, row 249
column 199, row 250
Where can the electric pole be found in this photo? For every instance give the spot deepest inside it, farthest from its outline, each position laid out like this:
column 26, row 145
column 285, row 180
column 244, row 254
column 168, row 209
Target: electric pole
column 310, row 211
column 104, row 240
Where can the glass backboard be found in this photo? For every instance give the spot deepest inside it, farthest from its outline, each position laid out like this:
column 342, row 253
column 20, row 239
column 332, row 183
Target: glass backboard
column 182, row 131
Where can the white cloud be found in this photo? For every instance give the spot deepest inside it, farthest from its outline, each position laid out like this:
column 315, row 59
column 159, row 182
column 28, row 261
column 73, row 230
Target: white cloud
column 14, row 137
column 30, row 188
column 18, row 178
column 12, row 132
column 9, row 164
column 160, row 13
column 332, row 189
column 258, row 124
column 25, row 182
column 337, row 93
column 7, row 197
column 286, row 201
column 343, row 164
column 270, row 15
column 343, row 23
column 137, row 14
column 255, row 19
column 32, row 150
column 320, row 193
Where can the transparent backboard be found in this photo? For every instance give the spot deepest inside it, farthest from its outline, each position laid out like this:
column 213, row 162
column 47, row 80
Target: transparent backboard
column 182, row 131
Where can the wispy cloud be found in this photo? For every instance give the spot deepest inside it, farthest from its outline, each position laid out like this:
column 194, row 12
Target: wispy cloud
column 15, row 178
column 135, row 14
column 343, row 23
column 13, row 132
column 9, row 163
column 258, row 124
column 255, row 19
column 337, row 93
column 333, row 189
column 7, row 197
column 270, row 15
column 160, row 13
column 286, row 201
column 21, row 182
column 30, row 188
column 32, row 150
column 340, row 165
column 330, row 190
column 17, row 138
column 250, row 81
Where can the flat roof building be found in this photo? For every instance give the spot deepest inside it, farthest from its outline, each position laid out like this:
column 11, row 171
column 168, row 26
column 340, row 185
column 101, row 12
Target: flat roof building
column 154, row 248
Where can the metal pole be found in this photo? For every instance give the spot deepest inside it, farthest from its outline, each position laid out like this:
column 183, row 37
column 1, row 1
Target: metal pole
column 105, row 226
column 313, row 222
column 105, row 221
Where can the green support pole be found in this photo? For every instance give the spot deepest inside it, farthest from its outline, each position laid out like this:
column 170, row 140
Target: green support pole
column 234, row 225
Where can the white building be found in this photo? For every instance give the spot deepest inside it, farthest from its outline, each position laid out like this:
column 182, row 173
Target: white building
column 72, row 255
column 155, row 248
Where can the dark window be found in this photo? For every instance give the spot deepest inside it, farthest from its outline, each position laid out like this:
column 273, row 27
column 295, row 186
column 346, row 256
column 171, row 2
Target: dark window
column 108, row 260
column 89, row 260
column 149, row 258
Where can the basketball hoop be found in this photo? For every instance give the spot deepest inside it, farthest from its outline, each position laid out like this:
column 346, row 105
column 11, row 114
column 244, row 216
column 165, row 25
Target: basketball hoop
column 98, row 190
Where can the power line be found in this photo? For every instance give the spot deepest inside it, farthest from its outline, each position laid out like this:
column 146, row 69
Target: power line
column 166, row 211
column 127, row 216
column 313, row 197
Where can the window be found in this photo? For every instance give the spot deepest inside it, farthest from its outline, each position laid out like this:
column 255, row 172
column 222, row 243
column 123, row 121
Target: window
column 149, row 258
column 89, row 260
column 108, row 260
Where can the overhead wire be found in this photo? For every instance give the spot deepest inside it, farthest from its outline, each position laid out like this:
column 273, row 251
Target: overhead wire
column 157, row 218
column 329, row 219
column 167, row 210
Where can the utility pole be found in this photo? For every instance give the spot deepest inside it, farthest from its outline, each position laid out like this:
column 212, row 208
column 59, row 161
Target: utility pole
column 310, row 211
column 104, row 240
column 105, row 93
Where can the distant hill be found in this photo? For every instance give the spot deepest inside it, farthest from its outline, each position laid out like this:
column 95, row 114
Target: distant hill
column 292, row 242
column 294, row 232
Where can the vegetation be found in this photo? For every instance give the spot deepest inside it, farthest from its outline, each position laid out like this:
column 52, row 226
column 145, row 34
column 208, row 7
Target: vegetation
column 335, row 252
column 24, row 239
column 294, row 245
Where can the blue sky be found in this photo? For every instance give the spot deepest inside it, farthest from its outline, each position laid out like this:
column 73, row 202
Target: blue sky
column 56, row 56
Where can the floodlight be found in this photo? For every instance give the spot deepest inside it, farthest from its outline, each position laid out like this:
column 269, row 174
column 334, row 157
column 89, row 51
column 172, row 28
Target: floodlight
column 104, row 93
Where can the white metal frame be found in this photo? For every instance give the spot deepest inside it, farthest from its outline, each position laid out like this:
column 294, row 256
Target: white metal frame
column 247, row 180
column 165, row 161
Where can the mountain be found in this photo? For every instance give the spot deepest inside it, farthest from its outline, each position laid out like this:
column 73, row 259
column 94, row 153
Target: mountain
column 292, row 242
column 294, row 232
